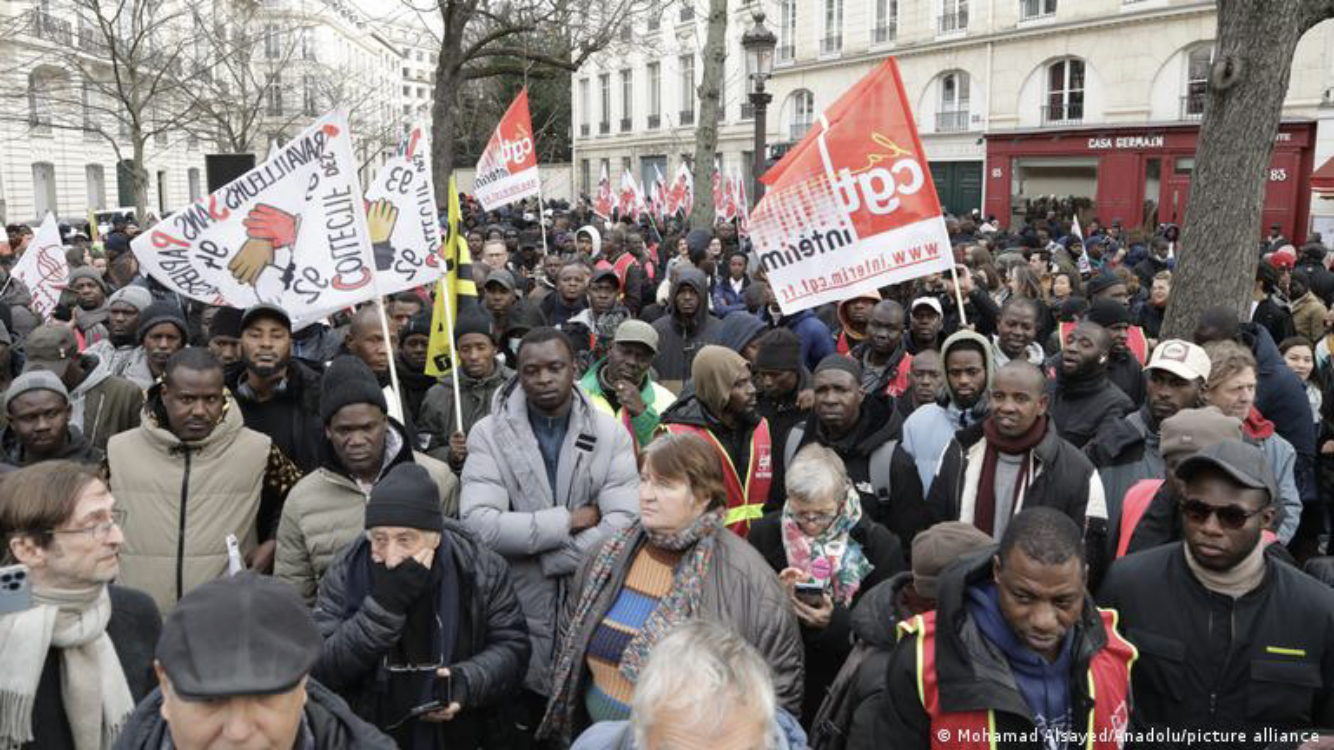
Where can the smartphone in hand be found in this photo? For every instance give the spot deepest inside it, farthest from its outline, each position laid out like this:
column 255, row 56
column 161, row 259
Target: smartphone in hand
column 15, row 589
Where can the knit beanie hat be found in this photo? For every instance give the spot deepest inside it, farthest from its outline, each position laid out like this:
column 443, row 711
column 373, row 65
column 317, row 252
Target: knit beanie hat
column 1108, row 312
column 780, row 351
column 1102, row 282
column 840, row 362
column 406, row 497
column 348, row 381
column 714, row 372
column 162, row 312
column 87, row 272
column 473, row 321
column 418, row 325
column 226, row 322
column 135, row 296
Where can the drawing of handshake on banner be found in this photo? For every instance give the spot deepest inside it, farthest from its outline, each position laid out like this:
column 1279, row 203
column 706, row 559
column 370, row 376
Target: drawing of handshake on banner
column 267, row 229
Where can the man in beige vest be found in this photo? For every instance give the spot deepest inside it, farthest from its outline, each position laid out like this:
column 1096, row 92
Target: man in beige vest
column 190, row 475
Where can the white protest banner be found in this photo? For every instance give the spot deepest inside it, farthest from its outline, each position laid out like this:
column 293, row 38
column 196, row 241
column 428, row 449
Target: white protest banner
column 851, row 207
column 290, row 232
column 43, row 267
column 402, row 196
column 507, row 171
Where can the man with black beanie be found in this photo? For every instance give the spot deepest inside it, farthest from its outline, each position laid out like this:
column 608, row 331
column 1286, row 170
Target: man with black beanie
column 414, row 340
column 279, row 395
column 480, row 374
column 162, row 333
column 223, row 335
column 781, row 381
column 423, row 633
column 1083, row 400
column 359, row 446
column 1123, row 369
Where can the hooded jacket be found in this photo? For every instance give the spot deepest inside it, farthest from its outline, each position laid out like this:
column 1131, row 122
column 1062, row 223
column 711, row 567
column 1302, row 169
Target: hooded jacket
column 1308, row 316
column 508, row 502
column 905, row 513
column 331, row 724
column 1208, row 661
column 816, row 340
column 104, row 404
column 678, row 341
column 185, row 497
column 325, row 511
column 290, row 417
column 929, row 429
column 18, row 299
column 77, row 449
column 437, row 421
column 1281, row 397
column 739, row 329
column 594, row 235
column 491, row 649
column 972, row 674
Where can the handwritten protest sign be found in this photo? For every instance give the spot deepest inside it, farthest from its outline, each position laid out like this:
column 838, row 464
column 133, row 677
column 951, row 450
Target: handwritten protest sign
column 402, row 198
column 290, row 232
column 43, row 268
column 507, row 171
column 851, row 207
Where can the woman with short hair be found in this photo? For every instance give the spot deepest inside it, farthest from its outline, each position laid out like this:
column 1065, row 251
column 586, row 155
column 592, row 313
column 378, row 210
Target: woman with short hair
column 678, row 563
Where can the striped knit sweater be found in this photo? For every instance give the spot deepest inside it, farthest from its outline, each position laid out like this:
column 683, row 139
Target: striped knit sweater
column 649, row 579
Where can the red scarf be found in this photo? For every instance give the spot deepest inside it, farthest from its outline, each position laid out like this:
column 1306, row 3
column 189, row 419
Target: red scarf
column 1256, row 426
column 984, row 509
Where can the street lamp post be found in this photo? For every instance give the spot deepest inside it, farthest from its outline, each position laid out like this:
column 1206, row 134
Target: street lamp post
column 759, row 43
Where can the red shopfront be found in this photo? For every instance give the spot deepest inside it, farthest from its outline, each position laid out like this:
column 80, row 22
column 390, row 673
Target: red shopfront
column 1140, row 175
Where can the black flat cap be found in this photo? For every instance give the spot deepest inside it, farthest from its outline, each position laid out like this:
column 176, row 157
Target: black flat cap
column 243, row 635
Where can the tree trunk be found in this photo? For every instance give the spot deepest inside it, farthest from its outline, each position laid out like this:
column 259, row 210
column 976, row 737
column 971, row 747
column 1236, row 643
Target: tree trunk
column 443, row 110
column 706, row 128
column 139, row 178
column 1243, row 104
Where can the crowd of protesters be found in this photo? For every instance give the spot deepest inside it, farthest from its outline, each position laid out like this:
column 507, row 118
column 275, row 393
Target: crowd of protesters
column 646, row 508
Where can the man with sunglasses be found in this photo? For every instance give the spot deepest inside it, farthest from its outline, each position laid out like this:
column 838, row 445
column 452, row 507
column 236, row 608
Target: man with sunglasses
column 1229, row 639
column 79, row 655
column 423, row 633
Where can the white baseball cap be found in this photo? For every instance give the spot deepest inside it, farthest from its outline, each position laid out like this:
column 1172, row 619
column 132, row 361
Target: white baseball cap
column 1181, row 358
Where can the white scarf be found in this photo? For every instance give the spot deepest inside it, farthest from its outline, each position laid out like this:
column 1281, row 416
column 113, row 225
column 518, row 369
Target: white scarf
column 92, row 684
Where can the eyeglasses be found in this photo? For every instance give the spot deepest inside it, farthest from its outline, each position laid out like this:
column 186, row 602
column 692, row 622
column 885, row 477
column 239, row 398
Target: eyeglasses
column 98, row 531
column 1229, row 516
column 814, row 518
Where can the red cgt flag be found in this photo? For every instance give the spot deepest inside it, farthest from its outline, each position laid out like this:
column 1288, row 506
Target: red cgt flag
column 851, row 207
column 507, row 171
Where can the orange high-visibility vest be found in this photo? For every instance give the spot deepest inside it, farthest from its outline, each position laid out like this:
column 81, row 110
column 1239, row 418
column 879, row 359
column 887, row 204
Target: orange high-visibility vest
column 741, row 509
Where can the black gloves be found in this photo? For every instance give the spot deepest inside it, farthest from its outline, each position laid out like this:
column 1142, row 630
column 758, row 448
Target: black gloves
column 396, row 589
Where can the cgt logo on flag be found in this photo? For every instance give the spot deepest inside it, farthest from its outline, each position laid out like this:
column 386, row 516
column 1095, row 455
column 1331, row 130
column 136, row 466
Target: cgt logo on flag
column 851, row 208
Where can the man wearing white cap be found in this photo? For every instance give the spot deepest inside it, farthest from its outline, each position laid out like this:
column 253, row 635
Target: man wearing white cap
column 1127, row 451
column 927, row 321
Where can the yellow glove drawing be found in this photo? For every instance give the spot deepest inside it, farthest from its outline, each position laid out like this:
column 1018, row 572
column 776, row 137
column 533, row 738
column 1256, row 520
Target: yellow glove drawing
column 250, row 260
column 381, row 216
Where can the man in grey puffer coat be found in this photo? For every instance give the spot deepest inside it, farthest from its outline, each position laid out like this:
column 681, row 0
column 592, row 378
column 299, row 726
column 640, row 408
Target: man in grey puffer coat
column 548, row 478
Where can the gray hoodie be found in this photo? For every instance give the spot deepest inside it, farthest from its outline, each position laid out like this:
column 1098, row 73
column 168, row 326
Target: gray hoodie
column 928, row 431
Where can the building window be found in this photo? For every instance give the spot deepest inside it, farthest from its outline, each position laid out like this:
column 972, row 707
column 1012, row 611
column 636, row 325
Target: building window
column 802, row 107
column 308, row 103
column 687, row 11
column 687, row 89
column 275, row 95
column 272, row 42
column 97, row 186
column 583, row 176
column 585, row 114
column 195, row 185
column 787, row 31
column 307, row 48
column 1065, row 92
column 1198, row 61
column 1030, row 9
column 604, row 87
column 654, row 71
column 40, row 86
column 952, row 115
column 953, row 16
column 886, row 20
column 44, row 188
column 654, row 16
column 832, row 41
column 627, row 98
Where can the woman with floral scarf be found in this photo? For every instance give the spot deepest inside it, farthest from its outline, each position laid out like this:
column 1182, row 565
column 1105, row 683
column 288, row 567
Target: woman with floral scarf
column 822, row 540
column 678, row 563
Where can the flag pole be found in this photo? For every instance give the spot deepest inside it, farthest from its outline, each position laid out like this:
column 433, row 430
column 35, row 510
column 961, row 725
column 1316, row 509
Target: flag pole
column 453, row 357
column 958, row 294
column 393, row 368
